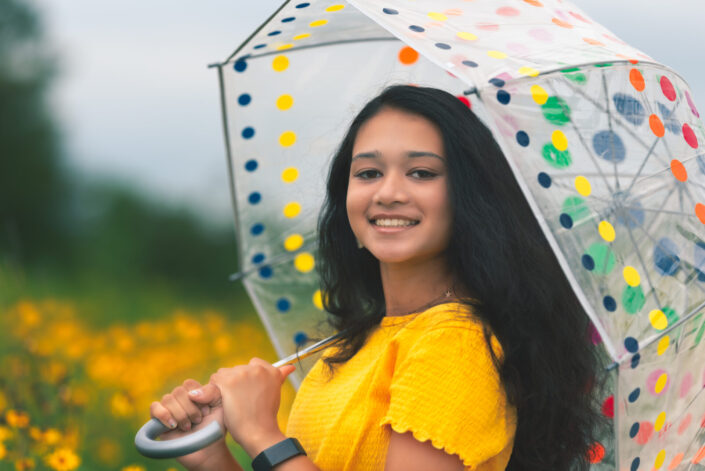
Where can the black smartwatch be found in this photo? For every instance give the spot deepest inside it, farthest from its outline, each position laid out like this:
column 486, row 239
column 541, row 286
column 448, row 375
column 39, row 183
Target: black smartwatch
column 277, row 454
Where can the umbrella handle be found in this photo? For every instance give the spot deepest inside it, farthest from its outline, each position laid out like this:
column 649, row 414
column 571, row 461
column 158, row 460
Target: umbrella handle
column 146, row 442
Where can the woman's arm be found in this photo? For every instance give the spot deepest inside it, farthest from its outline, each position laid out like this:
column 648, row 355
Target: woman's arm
column 405, row 453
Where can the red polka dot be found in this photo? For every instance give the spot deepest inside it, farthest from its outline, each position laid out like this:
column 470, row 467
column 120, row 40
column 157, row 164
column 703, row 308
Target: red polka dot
column 507, row 11
column 656, row 125
column 685, row 423
column 699, row 456
column 596, row 453
column 487, row 26
column 646, row 429
column 667, row 88
column 408, row 55
column 689, row 136
column 465, row 101
column 700, row 212
column 608, row 407
column 637, row 80
column 679, row 170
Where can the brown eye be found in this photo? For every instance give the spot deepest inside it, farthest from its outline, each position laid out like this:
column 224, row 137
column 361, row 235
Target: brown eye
column 368, row 174
column 423, row 174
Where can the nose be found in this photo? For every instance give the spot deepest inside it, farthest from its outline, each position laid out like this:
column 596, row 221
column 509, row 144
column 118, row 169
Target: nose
column 391, row 190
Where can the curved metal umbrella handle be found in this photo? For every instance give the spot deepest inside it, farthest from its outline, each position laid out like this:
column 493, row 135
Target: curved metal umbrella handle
column 146, row 442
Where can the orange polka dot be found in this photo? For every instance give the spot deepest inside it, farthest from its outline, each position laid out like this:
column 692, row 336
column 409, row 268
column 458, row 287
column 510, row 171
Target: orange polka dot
column 596, row 453
column 453, row 12
column 675, row 461
column 408, row 55
column 637, row 80
column 561, row 23
column 679, row 170
column 656, row 125
column 594, row 42
column 699, row 456
column 535, row 3
column 634, row 61
column 700, row 213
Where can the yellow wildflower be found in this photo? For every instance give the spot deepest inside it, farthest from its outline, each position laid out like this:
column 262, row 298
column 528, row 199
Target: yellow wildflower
column 120, row 405
column 53, row 372
column 28, row 314
column 5, row 433
column 35, row 433
column 3, row 401
column 63, row 459
column 24, row 464
column 3, row 451
column 133, row 467
column 16, row 419
column 51, row 436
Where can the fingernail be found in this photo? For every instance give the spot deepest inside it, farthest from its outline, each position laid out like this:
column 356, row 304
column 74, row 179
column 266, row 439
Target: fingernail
column 172, row 424
column 195, row 392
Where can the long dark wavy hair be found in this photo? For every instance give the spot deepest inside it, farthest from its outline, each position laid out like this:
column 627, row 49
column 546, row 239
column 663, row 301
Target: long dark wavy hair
column 499, row 256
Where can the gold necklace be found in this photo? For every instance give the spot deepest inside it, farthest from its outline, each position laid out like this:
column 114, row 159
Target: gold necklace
column 446, row 295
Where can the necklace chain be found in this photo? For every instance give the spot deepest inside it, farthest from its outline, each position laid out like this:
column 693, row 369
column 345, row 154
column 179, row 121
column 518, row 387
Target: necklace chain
column 446, row 295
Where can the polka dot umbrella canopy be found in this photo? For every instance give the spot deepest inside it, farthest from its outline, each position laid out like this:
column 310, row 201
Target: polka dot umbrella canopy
column 605, row 142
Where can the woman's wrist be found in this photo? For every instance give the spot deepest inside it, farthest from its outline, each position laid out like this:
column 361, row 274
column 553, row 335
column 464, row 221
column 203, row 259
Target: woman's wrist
column 257, row 443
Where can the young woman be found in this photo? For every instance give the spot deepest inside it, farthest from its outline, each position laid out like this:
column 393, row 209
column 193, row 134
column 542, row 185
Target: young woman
column 464, row 347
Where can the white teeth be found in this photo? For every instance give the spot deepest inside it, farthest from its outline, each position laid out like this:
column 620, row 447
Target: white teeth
column 394, row 222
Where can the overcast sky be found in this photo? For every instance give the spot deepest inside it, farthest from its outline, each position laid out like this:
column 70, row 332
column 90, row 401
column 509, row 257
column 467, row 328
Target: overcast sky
column 138, row 103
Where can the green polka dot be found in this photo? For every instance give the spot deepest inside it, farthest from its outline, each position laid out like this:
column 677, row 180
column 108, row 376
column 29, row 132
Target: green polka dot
column 576, row 208
column 671, row 315
column 577, row 78
column 555, row 157
column 603, row 257
column 633, row 299
column 572, row 69
column 556, row 110
column 604, row 65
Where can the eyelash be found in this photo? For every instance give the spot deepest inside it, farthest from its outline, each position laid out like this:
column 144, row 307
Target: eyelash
column 422, row 174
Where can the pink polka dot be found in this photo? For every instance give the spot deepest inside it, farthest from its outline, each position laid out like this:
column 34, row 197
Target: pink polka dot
column 612, row 38
column 686, row 384
column 667, row 88
column 579, row 17
column 518, row 48
column 507, row 11
column 689, row 136
column 685, row 423
column 487, row 26
column 691, row 104
column 646, row 429
column 653, row 378
column 541, row 35
column 595, row 335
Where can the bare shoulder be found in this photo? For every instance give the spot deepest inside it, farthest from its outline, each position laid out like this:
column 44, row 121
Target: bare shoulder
column 408, row 454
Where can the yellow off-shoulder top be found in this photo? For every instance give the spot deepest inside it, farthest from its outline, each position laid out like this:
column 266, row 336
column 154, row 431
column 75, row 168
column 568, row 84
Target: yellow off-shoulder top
column 430, row 373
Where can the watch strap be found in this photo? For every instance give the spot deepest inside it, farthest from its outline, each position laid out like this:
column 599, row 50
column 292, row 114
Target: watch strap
column 277, row 454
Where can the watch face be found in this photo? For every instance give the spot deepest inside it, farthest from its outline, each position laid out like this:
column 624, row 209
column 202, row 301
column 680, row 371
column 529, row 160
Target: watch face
column 276, row 454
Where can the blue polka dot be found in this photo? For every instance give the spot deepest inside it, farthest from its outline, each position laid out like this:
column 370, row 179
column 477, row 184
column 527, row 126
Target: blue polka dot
column 289, row 19
column 274, row 33
column 443, row 46
column 634, row 430
column 609, row 146
column 259, row 46
column 635, row 360
column 544, row 180
column 631, row 344
column 566, row 220
column 497, row 82
column 240, row 65
column 283, row 304
column 251, row 165
column 300, row 338
column 248, row 132
column 254, row 197
column 244, row 99
column 503, row 97
column 634, row 395
column 609, row 303
column 257, row 229
column 666, row 257
column 258, row 258
column 669, row 121
column 266, row 272
column 470, row 63
column 522, row 138
column 588, row 262
column 303, row 5
column 417, row 28
column 635, row 464
column 630, row 108
column 390, row 11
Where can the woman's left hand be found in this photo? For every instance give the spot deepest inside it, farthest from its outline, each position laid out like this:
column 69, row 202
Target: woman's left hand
column 250, row 396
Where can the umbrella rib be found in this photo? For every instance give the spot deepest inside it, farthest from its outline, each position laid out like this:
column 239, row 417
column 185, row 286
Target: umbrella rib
column 609, row 125
column 277, row 260
column 641, row 261
column 663, row 211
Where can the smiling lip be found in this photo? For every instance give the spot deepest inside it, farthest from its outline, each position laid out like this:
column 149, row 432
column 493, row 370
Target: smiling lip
column 392, row 223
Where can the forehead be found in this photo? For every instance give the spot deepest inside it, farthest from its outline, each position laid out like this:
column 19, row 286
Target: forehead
column 393, row 129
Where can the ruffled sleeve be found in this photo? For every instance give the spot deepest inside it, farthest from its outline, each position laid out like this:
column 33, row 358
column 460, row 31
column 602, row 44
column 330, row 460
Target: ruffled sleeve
column 445, row 388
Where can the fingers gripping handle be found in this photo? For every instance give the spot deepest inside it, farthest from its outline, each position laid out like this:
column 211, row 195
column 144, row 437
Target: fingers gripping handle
column 146, row 442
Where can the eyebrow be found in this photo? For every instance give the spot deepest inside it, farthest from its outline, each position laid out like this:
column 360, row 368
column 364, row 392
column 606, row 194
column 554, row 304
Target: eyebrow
column 411, row 154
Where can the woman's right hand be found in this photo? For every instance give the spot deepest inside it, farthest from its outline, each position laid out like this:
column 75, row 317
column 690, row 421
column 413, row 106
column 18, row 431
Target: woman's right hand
column 177, row 411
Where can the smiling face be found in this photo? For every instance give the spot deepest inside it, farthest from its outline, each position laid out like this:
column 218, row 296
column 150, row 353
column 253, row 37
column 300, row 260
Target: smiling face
column 397, row 200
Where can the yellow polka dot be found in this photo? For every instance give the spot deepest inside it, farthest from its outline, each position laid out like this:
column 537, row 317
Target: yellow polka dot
column 529, row 71
column 290, row 174
column 559, row 140
column 280, row 63
column 291, row 210
column 606, row 231
column 293, row 242
column 661, row 383
column 284, row 102
column 284, row 47
column 660, row 458
column 304, row 262
column 467, row 36
column 583, row 186
column 663, row 345
column 497, row 54
column 660, row 421
column 334, row 8
column 318, row 299
column 437, row 16
column 315, row 24
column 301, row 36
column 631, row 276
column 287, row 138
column 539, row 95
column 658, row 319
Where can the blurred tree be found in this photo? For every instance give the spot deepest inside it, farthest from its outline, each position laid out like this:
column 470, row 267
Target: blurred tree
column 32, row 183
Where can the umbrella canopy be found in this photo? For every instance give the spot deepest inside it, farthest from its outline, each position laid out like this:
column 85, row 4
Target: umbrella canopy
column 605, row 143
